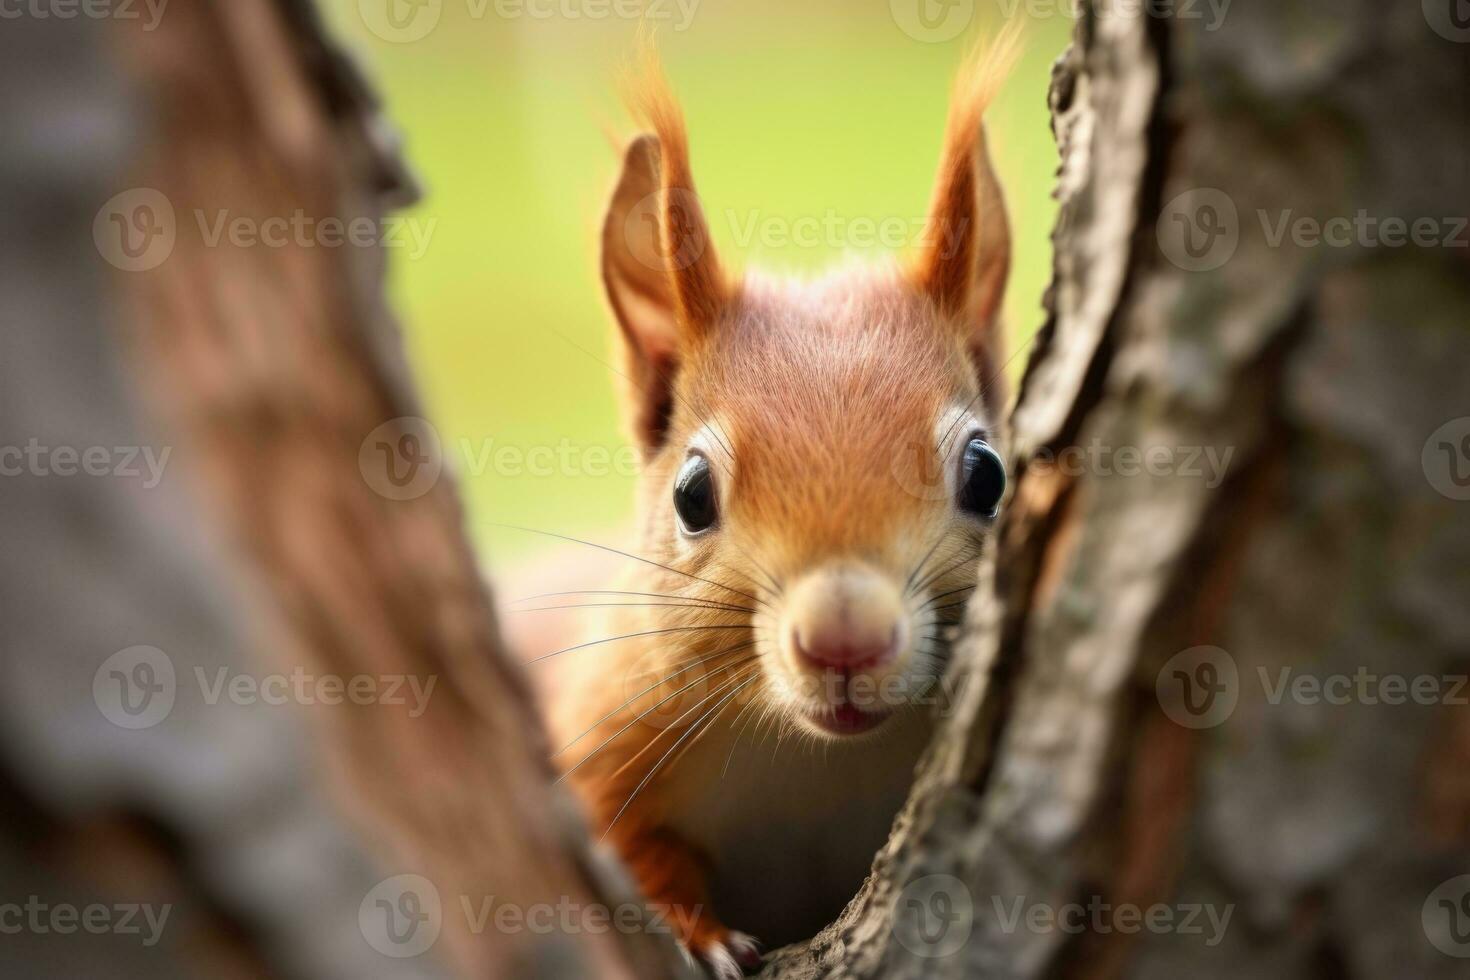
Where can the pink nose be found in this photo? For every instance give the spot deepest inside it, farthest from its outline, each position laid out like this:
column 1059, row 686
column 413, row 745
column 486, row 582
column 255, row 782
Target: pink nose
column 845, row 616
column 847, row 649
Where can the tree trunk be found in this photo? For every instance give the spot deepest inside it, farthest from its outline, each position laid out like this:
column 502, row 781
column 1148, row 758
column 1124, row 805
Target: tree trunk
column 1129, row 750
column 271, row 376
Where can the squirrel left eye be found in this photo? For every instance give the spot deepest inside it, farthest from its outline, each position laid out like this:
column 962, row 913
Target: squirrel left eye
column 982, row 480
column 694, row 495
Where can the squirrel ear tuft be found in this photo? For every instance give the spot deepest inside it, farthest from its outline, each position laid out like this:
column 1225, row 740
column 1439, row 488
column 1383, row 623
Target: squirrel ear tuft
column 662, row 276
column 965, row 258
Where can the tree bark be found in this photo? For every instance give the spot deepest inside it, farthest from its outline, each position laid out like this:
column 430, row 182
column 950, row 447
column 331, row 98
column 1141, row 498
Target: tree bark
column 272, row 375
column 1080, row 777
column 284, row 403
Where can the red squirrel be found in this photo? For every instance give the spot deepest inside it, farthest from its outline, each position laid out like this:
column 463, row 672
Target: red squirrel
column 820, row 471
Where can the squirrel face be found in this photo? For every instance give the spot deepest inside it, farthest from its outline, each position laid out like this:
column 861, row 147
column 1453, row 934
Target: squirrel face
column 840, row 473
column 821, row 458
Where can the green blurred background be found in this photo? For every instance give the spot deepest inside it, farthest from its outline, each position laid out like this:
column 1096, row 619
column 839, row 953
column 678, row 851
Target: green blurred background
column 824, row 110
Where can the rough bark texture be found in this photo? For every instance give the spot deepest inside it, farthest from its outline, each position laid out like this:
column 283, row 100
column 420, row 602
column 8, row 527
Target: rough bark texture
column 1328, row 549
column 267, row 373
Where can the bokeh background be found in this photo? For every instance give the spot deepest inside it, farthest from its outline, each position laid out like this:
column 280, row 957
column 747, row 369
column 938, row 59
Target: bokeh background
column 823, row 115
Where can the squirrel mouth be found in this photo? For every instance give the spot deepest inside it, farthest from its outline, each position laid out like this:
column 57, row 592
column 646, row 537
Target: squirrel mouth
column 846, row 707
column 847, row 719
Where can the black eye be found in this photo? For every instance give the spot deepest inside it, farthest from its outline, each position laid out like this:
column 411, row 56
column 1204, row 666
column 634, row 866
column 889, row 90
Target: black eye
column 694, row 495
column 982, row 480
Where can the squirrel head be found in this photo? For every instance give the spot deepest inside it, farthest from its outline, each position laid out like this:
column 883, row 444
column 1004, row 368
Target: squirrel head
column 820, row 457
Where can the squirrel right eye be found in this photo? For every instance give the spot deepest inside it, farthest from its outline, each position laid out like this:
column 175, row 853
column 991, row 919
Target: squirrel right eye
column 694, row 495
column 982, row 480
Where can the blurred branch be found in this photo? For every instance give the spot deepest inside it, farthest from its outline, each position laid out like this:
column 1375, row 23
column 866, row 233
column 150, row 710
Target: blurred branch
column 283, row 377
column 276, row 372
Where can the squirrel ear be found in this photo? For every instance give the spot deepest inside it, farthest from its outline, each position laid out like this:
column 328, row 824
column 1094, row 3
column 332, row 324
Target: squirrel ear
column 639, row 291
column 965, row 258
column 662, row 277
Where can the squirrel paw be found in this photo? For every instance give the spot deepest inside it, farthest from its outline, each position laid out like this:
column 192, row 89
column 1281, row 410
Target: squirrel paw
column 727, row 958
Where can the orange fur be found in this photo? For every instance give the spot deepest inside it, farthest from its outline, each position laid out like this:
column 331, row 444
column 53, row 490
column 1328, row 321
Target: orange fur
column 825, row 409
column 699, row 285
column 966, row 258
